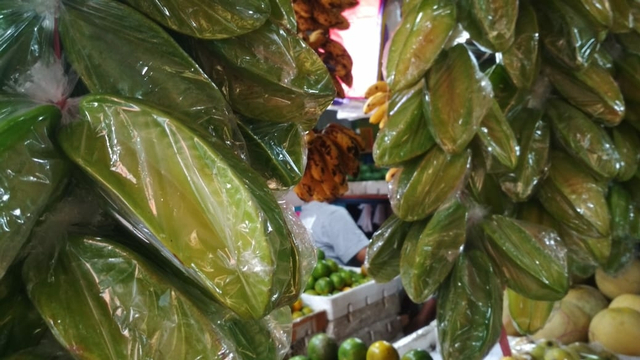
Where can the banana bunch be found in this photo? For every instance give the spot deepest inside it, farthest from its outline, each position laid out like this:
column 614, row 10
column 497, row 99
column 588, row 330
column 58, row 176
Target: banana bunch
column 315, row 18
column 332, row 155
column 514, row 156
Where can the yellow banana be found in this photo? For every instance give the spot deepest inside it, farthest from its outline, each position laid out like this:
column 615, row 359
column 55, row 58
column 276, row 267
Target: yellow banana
column 329, row 150
column 304, row 189
column 383, row 122
column 380, row 114
column 379, row 87
column 315, row 165
column 303, row 8
column 375, row 102
column 350, row 133
column 390, row 174
column 344, row 142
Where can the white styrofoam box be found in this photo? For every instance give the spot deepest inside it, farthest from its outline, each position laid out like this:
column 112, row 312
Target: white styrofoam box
column 378, row 187
column 360, row 296
column 353, row 322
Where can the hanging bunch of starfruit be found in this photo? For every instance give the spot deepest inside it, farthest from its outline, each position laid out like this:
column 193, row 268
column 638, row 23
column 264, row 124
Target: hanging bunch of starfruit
column 512, row 129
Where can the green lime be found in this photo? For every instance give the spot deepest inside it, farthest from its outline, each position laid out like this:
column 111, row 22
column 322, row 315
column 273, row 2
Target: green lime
column 333, row 265
column 299, row 357
column 310, row 283
column 322, row 269
column 335, row 292
column 297, row 314
column 417, row 354
column 320, row 254
column 311, row 292
column 322, row 347
column 348, row 277
column 307, row 310
column 357, row 277
column 324, row 286
column 338, row 281
column 382, row 350
column 352, row 349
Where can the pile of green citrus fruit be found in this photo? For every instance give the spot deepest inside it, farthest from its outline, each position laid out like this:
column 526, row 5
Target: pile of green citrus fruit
column 323, row 347
column 299, row 309
column 328, row 278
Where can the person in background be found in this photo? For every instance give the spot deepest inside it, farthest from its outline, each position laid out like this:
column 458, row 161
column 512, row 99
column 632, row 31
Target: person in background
column 334, row 231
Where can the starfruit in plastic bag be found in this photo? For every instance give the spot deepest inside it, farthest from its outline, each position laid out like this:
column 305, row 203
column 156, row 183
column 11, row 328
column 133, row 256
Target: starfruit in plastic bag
column 533, row 134
column 427, row 262
column 189, row 201
column 490, row 23
column 486, row 189
column 469, row 311
column 32, row 170
column 406, row 134
column 275, row 151
column 569, row 38
column 583, row 139
column 117, row 50
column 575, row 198
column 304, row 245
column 102, row 300
column 592, row 90
column 604, row 59
column 21, row 326
column 623, row 244
column 630, row 42
column 27, row 37
column 214, row 19
column 532, row 257
column 269, row 74
column 505, row 92
column 282, row 14
column 598, row 11
column 460, row 97
column 383, row 254
column 627, row 144
column 522, row 58
column 47, row 349
column 622, row 16
column 599, row 248
column 422, row 185
column 628, row 71
column 497, row 137
column 528, row 315
column 420, row 39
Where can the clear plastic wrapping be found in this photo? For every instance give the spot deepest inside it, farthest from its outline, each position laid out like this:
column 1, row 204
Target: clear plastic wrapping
column 269, row 75
column 117, row 50
column 627, row 143
column 497, row 139
column 32, row 171
column 532, row 257
column 522, row 59
column 491, row 24
column 306, row 249
column 214, row 19
column 383, row 254
column 193, row 203
column 528, row 315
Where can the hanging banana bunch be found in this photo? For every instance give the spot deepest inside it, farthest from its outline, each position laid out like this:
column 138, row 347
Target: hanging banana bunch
column 315, row 18
column 512, row 132
column 332, row 155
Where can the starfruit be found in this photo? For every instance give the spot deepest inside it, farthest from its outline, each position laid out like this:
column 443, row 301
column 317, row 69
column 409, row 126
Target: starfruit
column 627, row 144
column 275, row 151
column 427, row 262
column 623, row 244
column 592, row 90
column 406, row 134
column 460, row 97
column 286, row 83
column 490, row 23
column 469, row 308
column 598, row 11
column 630, row 42
column 604, row 59
column 139, row 59
column 32, row 170
column 383, row 254
column 528, row 315
column 102, row 300
column 598, row 247
column 422, row 185
column 188, row 201
column 420, row 39
column 522, row 58
column 505, row 92
column 568, row 37
column 583, row 139
column 622, row 16
column 628, row 71
column 215, row 19
column 486, row 189
column 532, row 257
column 533, row 135
column 575, row 198
column 497, row 137
column 282, row 13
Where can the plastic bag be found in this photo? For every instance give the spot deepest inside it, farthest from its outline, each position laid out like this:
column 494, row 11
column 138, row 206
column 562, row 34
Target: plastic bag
column 583, row 139
column 194, row 203
column 32, row 171
column 528, row 315
column 422, row 35
column 213, row 19
column 422, row 185
column 628, row 76
column 269, row 75
column 282, row 13
column 627, row 143
column 497, row 138
column 406, row 134
column 117, row 50
column 532, row 257
column 486, row 190
column 490, row 23
column 27, row 37
column 383, row 254
column 622, row 242
column 427, row 262
column 622, row 17
column 102, row 300
column 47, row 349
column 522, row 59
column 460, row 97
column 304, row 244
column 469, row 308
column 510, row 98
column 276, row 151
